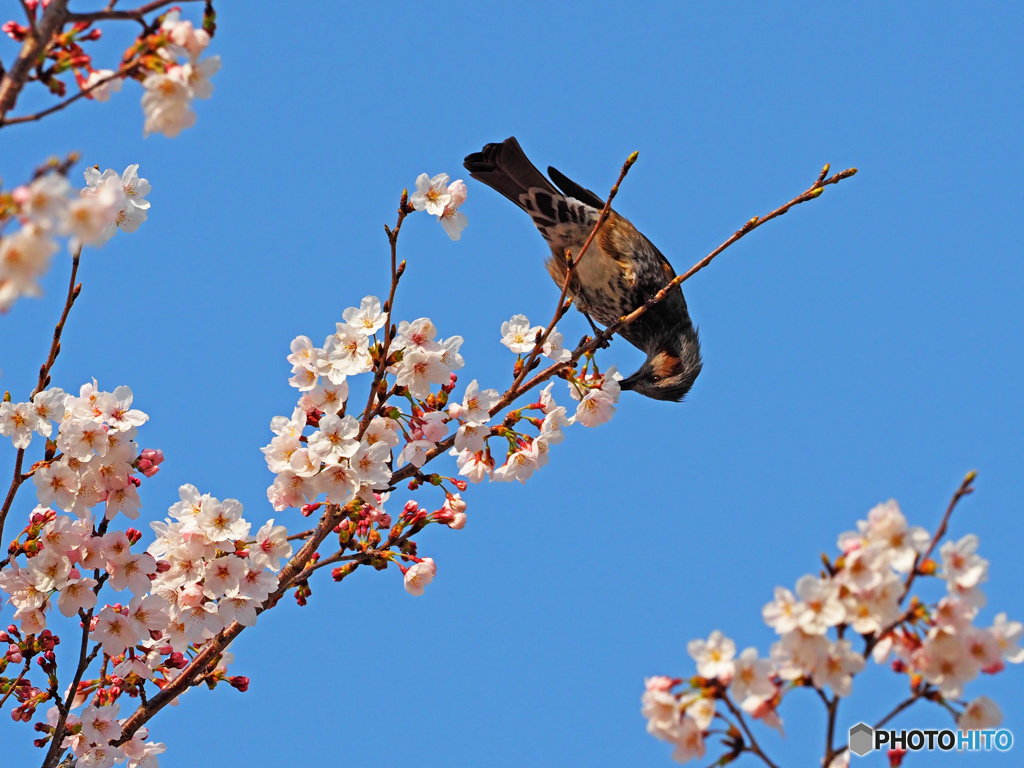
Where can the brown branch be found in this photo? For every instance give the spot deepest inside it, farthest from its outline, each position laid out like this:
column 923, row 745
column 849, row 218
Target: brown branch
column 138, row 14
column 125, row 71
column 830, row 731
column 191, row 674
column 32, row 51
column 44, row 379
column 390, row 329
column 570, row 270
column 753, row 745
column 896, row 710
column 24, row 671
column 966, row 488
column 84, row 660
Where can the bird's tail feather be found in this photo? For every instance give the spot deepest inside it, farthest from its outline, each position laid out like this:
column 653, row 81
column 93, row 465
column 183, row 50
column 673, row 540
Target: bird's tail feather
column 505, row 168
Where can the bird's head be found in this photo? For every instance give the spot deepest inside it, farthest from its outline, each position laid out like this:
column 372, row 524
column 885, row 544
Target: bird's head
column 669, row 372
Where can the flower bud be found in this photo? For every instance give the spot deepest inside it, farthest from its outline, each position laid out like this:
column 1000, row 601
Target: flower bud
column 239, row 683
column 896, row 757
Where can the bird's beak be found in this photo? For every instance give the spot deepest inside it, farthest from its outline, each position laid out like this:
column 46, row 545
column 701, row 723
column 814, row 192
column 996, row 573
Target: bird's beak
column 630, row 382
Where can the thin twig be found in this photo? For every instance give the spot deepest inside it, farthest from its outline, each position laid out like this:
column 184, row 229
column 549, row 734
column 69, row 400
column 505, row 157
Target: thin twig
column 404, row 209
column 966, row 488
column 753, row 745
column 84, row 660
column 125, row 71
column 830, row 731
column 24, row 671
column 44, row 378
column 896, row 710
column 570, row 270
column 138, row 14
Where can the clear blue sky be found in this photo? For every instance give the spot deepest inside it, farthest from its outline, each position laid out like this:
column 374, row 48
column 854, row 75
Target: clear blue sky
column 865, row 346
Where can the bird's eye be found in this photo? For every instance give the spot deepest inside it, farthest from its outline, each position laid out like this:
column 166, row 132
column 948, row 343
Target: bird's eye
column 655, row 378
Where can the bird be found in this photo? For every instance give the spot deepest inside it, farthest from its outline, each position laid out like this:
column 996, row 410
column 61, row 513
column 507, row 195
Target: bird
column 619, row 272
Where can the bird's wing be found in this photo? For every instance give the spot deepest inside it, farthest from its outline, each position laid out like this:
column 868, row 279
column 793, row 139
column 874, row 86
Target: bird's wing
column 572, row 189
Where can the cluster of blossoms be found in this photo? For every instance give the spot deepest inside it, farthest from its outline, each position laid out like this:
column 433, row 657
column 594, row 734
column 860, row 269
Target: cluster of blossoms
column 938, row 646
column 204, row 570
column 349, row 463
column 48, row 208
column 165, row 59
column 177, row 75
column 439, row 198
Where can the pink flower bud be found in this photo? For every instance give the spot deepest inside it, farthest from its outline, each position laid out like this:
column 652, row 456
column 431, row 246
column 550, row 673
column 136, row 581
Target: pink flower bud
column 458, row 521
column 239, row 683
column 177, row 660
column 443, row 515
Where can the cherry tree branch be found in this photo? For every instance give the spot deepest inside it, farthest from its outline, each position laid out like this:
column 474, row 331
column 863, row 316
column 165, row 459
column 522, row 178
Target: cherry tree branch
column 570, row 269
column 126, row 70
column 966, row 488
column 753, row 746
column 64, row 708
column 137, row 14
column 44, row 379
column 32, row 52
column 917, row 696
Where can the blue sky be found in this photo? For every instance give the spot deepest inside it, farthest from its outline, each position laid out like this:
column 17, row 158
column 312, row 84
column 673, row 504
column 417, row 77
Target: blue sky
column 865, row 346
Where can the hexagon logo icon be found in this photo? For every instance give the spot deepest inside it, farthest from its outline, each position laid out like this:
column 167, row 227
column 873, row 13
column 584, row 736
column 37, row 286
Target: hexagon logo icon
column 862, row 739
